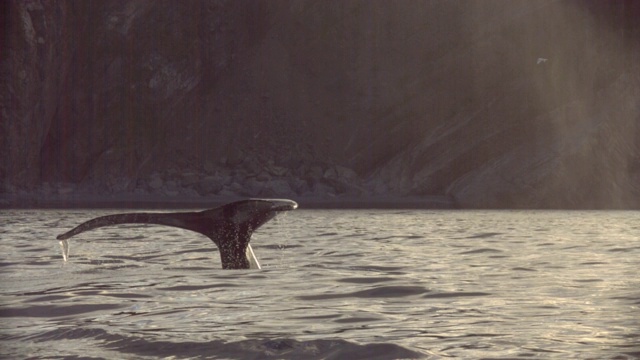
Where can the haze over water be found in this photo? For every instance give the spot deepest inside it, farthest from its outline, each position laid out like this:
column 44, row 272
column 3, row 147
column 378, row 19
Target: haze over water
column 335, row 284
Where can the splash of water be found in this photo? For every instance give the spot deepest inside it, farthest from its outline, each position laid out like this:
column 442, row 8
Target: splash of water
column 253, row 261
column 285, row 236
column 64, row 244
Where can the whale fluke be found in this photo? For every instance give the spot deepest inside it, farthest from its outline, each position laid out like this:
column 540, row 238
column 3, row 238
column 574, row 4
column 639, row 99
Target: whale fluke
column 229, row 226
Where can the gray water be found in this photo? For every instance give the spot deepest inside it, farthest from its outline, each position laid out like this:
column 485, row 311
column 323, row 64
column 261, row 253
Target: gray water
column 334, row 285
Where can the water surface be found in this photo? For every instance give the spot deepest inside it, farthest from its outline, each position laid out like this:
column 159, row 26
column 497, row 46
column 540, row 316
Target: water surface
column 334, row 285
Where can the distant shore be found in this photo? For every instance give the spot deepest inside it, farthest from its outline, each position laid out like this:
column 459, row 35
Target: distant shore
column 135, row 201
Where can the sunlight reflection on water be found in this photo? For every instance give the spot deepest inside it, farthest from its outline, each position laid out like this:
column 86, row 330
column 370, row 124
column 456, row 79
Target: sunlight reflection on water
column 392, row 284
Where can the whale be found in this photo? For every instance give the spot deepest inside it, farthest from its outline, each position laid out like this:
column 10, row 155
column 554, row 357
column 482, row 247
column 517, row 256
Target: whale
column 229, row 226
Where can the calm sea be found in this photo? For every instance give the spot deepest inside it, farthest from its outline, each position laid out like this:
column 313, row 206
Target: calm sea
column 368, row 284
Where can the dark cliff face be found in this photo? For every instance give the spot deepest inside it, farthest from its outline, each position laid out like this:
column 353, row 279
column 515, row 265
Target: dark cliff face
column 493, row 103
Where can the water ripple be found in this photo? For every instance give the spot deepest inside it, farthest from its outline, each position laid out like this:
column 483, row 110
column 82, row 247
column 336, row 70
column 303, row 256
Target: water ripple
column 378, row 292
column 47, row 311
column 334, row 284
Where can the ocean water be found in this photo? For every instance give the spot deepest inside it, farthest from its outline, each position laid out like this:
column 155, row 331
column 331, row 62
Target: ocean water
column 335, row 284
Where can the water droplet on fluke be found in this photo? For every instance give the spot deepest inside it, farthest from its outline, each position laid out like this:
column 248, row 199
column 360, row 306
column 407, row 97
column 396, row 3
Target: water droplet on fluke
column 64, row 244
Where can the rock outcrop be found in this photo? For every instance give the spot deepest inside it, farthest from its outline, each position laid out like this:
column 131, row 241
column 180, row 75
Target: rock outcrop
column 496, row 104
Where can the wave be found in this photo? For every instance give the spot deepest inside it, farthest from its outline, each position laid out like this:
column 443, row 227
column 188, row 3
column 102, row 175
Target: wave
column 279, row 348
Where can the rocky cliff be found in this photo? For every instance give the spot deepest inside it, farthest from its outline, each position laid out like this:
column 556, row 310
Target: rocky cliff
column 489, row 103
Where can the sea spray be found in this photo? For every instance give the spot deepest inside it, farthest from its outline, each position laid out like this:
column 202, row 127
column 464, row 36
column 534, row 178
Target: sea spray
column 284, row 239
column 64, row 245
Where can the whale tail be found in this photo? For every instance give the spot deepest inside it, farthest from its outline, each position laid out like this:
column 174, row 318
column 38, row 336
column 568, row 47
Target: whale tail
column 229, row 226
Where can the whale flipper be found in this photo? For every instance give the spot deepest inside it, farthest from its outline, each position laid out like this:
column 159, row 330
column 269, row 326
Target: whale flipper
column 229, row 226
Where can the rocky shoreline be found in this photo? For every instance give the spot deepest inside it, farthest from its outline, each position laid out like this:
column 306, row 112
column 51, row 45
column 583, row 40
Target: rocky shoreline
column 315, row 186
column 124, row 201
